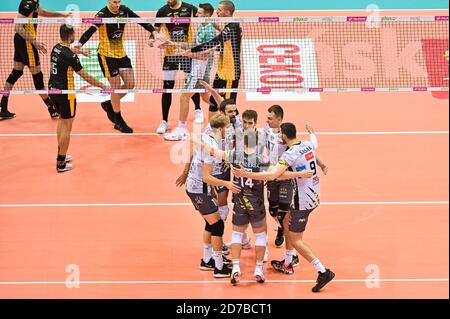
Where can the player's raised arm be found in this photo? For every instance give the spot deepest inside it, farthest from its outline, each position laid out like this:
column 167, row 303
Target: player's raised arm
column 53, row 14
column 219, row 99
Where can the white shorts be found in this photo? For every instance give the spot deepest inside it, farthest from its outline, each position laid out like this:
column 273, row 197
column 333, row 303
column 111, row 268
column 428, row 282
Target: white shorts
column 200, row 70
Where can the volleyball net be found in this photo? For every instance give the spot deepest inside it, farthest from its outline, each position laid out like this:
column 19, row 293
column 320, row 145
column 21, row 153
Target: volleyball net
column 287, row 54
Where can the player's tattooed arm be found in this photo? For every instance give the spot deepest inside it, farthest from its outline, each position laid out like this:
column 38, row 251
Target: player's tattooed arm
column 322, row 165
column 276, row 172
column 213, row 181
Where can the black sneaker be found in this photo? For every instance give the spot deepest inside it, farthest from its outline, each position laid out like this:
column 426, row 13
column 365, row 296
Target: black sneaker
column 209, row 266
column 280, row 266
column 227, row 262
column 295, row 261
column 6, row 115
column 64, row 168
column 123, row 127
column 107, row 107
column 224, row 273
column 323, row 279
column 279, row 240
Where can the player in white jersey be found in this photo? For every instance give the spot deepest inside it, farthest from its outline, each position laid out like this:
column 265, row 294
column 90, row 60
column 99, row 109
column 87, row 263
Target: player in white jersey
column 227, row 107
column 280, row 192
column 198, row 176
column 300, row 157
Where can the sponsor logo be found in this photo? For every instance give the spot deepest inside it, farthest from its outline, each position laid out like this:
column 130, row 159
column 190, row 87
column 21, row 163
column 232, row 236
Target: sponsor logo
column 420, row 88
column 301, row 168
column 309, row 156
column 356, row 19
column 300, row 19
column 269, row 19
column 3, row 21
column 286, row 64
column 441, row 18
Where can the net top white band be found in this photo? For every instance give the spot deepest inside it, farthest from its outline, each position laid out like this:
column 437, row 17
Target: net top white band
column 350, row 19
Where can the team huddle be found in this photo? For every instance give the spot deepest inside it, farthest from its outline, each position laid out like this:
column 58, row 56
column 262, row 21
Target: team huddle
column 234, row 155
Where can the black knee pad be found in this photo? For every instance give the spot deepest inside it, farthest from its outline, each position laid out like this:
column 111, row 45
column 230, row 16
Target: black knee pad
column 217, row 229
column 169, row 85
column 207, row 227
column 273, row 211
column 38, row 80
column 14, row 76
column 284, row 207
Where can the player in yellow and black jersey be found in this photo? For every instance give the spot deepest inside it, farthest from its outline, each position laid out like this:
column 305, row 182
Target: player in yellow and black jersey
column 26, row 53
column 113, row 59
column 63, row 63
column 229, row 65
column 178, row 33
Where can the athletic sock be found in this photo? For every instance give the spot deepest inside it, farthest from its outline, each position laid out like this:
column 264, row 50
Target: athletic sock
column 318, row 265
column 4, row 103
column 182, row 125
column 207, row 252
column 236, row 265
column 218, row 259
column 288, row 258
column 196, row 99
column 259, row 264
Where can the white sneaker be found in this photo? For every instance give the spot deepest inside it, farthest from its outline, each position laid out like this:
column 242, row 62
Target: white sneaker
column 162, row 127
column 67, row 167
column 266, row 255
column 235, row 278
column 179, row 134
column 259, row 275
column 68, row 158
column 199, row 118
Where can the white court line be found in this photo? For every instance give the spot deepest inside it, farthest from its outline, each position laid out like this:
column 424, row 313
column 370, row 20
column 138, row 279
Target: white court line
column 189, row 204
column 201, row 282
column 303, row 133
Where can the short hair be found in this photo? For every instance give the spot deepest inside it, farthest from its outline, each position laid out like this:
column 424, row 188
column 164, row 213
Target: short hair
column 219, row 121
column 250, row 115
column 65, row 31
column 223, row 105
column 207, row 7
column 229, row 5
column 289, row 130
column 277, row 110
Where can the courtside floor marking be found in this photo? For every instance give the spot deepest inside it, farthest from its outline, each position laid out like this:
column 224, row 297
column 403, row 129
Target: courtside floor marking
column 190, row 204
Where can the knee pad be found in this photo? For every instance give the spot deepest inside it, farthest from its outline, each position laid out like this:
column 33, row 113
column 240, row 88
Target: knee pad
column 273, row 211
column 284, row 207
column 261, row 239
column 236, row 237
column 38, row 80
column 223, row 211
column 14, row 76
column 169, row 84
column 207, row 227
column 217, row 229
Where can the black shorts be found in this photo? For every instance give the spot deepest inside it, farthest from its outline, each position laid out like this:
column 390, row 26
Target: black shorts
column 224, row 176
column 66, row 105
column 299, row 219
column 280, row 194
column 175, row 63
column 25, row 52
column 247, row 211
column 111, row 66
column 223, row 84
column 205, row 204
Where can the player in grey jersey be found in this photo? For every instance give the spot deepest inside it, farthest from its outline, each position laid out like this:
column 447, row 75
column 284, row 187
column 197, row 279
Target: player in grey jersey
column 300, row 157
